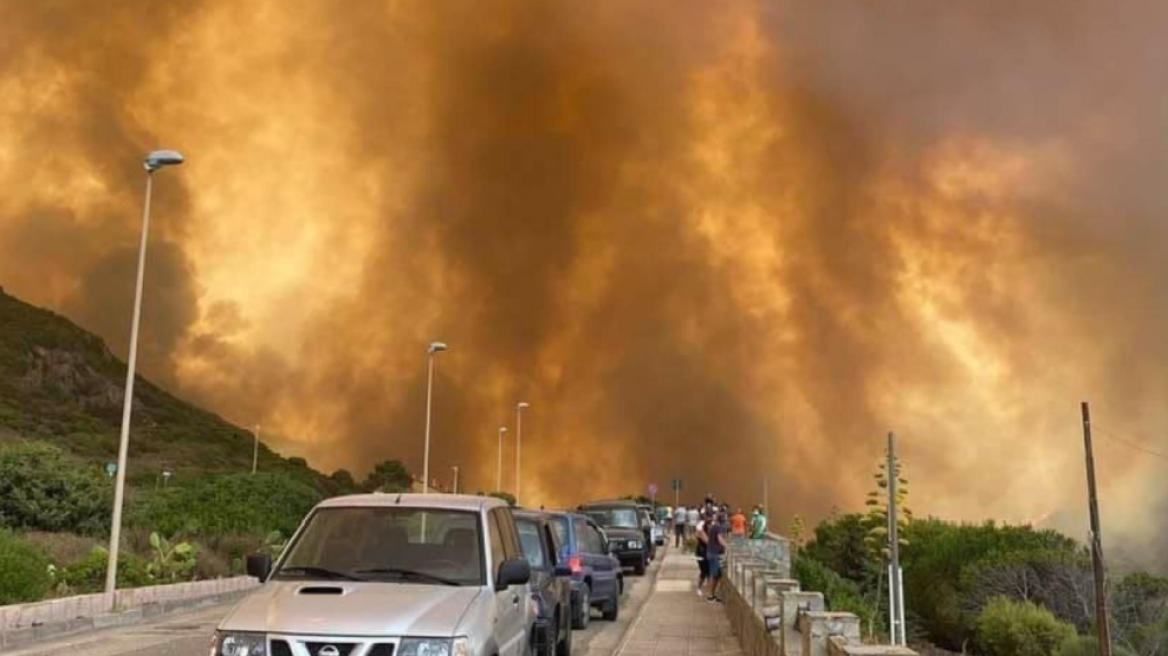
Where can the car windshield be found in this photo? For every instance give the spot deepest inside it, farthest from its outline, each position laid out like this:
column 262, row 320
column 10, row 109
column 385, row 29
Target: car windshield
column 393, row 544
column 616, row 517
column 530, row 540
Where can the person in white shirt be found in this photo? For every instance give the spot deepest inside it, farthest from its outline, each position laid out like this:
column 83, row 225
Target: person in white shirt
column 691, row 521
column 679, row 518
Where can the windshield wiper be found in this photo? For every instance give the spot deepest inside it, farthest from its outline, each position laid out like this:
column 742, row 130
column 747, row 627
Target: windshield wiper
column 318, row 571
column 409, row 573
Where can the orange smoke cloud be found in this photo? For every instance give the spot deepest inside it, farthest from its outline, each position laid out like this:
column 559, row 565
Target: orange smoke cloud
column 713, row 241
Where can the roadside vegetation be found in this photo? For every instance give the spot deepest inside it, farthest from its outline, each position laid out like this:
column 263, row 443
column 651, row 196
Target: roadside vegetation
column 990, row 589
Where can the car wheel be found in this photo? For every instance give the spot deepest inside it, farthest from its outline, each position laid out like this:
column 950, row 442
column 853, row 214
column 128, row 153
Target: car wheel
column 611, row 609
column 584, row 612
column 564, row 648
column 639, row 570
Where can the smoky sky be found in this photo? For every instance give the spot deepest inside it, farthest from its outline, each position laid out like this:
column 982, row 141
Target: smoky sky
column 715, row 241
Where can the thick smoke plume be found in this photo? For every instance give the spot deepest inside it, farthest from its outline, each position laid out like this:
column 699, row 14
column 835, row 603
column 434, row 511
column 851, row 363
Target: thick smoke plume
column 713, row 241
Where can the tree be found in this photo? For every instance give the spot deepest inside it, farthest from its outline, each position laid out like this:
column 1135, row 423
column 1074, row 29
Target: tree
column 1019, row 628
column 1139, row 605
column 795, row 534
column 390, row 476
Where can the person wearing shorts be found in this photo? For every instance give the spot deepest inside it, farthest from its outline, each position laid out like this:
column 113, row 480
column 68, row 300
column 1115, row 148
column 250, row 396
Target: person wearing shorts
column 715, row 548
column 700, row 553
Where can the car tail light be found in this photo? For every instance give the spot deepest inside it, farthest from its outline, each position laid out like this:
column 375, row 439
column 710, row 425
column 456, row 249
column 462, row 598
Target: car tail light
column 575, row 565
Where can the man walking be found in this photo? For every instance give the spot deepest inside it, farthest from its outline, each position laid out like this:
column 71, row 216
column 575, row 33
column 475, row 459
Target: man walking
column 738, row 527
column 679, row 518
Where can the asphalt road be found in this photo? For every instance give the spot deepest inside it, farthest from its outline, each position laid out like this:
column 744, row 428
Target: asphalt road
column 189, row 634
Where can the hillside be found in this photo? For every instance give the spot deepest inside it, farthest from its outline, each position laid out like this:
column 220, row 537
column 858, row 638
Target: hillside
column 61, row 384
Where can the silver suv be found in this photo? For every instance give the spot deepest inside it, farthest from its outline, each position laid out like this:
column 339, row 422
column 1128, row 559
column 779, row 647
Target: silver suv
column 390, row 575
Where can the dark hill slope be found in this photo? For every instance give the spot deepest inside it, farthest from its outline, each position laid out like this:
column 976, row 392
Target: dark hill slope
column 61, row 384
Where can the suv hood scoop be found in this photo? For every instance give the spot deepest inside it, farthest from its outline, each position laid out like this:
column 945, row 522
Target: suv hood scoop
column 321, row 590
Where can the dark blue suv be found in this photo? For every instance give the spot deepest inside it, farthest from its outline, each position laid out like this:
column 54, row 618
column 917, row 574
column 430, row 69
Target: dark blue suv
column 597, row 578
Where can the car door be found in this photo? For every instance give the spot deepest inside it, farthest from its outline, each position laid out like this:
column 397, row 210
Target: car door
column 511, row 622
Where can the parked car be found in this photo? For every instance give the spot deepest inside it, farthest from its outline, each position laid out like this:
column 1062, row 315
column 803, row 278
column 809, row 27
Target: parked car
column 551, row 585
column 382, row 574
column 656, row 532
column 628, row 534
column 597, row 578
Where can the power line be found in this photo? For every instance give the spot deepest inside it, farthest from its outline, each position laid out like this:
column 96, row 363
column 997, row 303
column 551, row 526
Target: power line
column 1130, row 444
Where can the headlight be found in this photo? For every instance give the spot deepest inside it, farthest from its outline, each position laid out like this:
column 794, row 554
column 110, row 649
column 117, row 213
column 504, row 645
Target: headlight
column 228, row 643
column 634, row 544
column 434, row 647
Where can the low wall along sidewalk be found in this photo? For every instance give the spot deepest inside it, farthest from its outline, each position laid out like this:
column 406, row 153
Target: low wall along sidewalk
column 24, row 623
column 772, row 616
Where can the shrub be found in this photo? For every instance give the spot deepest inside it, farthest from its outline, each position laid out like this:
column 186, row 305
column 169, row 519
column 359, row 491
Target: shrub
column 42, row 489
column 839, row 593
column 24, row 571
column 170, row 562
column 88, row 574
column 1019, row 628
column 230, row 503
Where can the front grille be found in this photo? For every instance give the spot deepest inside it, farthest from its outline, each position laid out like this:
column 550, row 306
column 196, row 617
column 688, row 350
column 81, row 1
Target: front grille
column 383, row 649
column 281, row 648
column 343, row 648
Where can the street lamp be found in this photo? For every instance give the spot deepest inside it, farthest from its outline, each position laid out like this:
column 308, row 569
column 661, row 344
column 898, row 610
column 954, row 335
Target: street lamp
column 435, row 347
column 154, row 161
column 499, row 466
column 455, row 468
column 255, row 451
column 519, row 407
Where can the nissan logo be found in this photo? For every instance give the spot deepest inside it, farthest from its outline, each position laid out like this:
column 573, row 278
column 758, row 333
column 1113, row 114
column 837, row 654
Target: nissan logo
column 329, row 650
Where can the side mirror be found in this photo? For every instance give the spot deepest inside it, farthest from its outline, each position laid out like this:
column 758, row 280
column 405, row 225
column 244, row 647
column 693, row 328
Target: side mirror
column 513, row 571
column 259, row 565
column 562, row 571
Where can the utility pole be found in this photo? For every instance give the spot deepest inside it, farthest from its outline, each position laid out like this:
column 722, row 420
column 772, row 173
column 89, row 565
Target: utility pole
column 896, row 596
column 1101, row 623
column 455, row 479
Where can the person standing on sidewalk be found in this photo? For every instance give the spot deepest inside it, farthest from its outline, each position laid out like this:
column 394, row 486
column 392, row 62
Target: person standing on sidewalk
column 692, row 517
column 758, row 524
column 715, row 548
column 679, row 518
column 701, row 554
column 738, row 527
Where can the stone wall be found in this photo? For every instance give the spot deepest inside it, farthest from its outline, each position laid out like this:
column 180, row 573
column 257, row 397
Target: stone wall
column 773, row 617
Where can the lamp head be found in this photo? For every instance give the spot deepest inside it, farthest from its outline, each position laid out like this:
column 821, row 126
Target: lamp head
column 438, row 347
column 160, row 158
column 523, row 405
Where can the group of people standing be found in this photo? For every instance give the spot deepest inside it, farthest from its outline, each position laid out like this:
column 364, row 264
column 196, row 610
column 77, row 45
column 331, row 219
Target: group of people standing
column 713, row 527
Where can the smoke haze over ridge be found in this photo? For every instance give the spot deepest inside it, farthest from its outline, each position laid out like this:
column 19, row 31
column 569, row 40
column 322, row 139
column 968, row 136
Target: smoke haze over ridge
column 704, row 239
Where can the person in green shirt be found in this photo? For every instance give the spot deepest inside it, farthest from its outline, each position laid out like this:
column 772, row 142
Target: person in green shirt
column 758, row 524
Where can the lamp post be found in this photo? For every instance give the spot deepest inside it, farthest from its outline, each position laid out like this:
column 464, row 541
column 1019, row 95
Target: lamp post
column 154, row 161
column 435, row 348
column 519, row 408
column 455, row 468
column 499, row 466
column 255, row 452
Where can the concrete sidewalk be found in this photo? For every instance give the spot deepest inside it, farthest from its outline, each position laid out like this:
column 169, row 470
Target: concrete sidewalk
column 676, row 621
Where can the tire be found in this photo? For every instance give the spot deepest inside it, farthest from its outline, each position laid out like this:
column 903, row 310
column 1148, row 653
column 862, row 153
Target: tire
column 564, row 647
column 611, row 610
column 639, row 569
column 583, row 612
